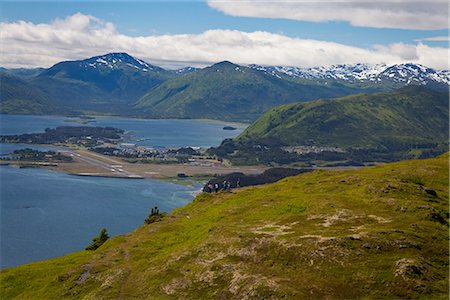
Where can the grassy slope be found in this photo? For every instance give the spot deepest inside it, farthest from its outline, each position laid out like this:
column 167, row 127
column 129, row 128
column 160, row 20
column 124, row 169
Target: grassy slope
column 412, row 114
column 368, row 233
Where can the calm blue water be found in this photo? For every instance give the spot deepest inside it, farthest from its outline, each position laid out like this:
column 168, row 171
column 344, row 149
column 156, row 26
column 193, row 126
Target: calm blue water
column 45, row 214
column 167, row 133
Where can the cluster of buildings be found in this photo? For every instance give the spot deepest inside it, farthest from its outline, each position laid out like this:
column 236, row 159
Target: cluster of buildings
column 190, row 155
column 311, row 149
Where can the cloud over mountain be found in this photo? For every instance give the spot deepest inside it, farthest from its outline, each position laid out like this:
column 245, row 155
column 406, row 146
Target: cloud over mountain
column 26, row 44
column 402, row 14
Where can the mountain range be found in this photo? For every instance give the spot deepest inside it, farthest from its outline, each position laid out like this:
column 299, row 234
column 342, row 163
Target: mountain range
column 227, row 91
column 402, row 73
column 119, row 84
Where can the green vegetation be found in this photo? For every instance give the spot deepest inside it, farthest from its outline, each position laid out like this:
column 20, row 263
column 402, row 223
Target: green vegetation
column 226, row 91
column 28, row 154
column 20, row 96
column 411, row 122
column 410, row 115
column 375, row 233
column 81, row 135
column 98, row 240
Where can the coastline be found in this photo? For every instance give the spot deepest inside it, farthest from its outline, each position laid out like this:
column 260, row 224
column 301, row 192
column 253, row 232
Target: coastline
column 104, row 176
column 129, row 118
column 87, row 163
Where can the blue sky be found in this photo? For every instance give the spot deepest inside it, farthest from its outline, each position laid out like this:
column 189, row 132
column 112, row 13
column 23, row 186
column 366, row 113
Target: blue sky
column 173, row 18
column 176, row 17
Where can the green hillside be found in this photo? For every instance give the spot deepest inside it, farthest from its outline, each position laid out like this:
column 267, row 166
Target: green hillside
column 375, row 233
column 409, row 115
column 411, row 122
column 19, row 96
column 45, row 95
column 226, row 91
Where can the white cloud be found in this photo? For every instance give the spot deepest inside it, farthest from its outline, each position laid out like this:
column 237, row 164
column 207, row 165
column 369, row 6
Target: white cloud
column 434, row 39
column 80, row 36
column 403, row 14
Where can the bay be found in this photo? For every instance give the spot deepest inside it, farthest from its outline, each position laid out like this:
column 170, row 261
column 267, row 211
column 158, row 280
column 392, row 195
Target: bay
column 46, row 214
column 163, row 132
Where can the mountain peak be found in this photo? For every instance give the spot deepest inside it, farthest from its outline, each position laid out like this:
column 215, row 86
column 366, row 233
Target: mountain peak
column 225, row 64
column 121, row 55
column 119, row 60
column 225, row 67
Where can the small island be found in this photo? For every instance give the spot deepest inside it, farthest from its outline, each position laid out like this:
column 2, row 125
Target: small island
column 77, row 135
column 80, row 121
column 28, row 154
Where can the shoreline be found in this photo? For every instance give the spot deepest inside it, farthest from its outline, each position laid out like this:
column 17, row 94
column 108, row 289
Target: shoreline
column 105, row 176
column 89, row 164
column 130, row 118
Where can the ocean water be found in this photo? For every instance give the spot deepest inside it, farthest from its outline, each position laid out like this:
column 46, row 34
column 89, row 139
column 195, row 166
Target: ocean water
column 164, row 132
column 46, row 214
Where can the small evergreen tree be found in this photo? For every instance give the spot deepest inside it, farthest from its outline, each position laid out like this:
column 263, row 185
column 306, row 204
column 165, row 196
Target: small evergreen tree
column 98, row 240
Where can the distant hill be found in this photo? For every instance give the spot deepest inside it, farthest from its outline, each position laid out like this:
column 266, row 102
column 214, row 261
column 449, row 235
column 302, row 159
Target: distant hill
column 23, row 72
column 45, row 95
column 20, row 96
column 376, row 233
column 227, row 91
column 412, row 114
column 403, row 122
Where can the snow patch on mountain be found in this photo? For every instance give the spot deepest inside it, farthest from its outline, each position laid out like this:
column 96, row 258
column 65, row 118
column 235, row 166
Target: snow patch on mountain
column 186, row 70
column 404, row 73
column 118, row 61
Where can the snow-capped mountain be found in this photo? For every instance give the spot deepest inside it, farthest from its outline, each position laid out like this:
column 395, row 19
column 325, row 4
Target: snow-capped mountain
column 118, row 61
column 415, row 73
column 118, row 74
column 88, row 69
column 402, row 73
column 185, row 70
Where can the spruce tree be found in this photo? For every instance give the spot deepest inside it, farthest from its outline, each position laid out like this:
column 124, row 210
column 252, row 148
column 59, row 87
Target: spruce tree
column 98, row 240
